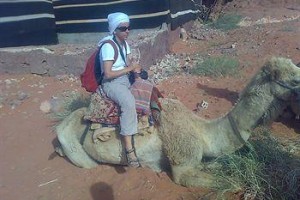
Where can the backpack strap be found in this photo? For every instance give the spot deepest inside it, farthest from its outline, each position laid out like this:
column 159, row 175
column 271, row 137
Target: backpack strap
column 121, row 51
column 98, row 71
column 113, row 45
column 130, row 74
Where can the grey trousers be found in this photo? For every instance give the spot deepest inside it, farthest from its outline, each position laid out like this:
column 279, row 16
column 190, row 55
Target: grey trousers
column 118, row 90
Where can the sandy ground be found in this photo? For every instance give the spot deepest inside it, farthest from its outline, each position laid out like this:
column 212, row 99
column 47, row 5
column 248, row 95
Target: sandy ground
column 29, row 168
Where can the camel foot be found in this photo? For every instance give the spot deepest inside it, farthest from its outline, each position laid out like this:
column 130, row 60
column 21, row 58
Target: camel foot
column 59, row 151
column 193, row 177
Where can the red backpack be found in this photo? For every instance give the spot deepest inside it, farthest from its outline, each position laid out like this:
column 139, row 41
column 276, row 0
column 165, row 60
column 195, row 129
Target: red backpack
column 92, row 76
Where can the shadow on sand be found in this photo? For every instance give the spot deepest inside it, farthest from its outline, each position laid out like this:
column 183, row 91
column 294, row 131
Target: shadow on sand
column 220, row 93
column 101, row 191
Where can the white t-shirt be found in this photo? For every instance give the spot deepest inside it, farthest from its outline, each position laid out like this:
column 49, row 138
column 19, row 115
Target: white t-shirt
column 107, row 53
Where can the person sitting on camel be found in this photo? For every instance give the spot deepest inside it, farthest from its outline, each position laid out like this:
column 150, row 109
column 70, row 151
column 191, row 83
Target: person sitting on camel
column 116, row 85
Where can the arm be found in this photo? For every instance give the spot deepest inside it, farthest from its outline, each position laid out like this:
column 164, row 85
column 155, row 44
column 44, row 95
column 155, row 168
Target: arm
column 107, row 52
column 109, row 74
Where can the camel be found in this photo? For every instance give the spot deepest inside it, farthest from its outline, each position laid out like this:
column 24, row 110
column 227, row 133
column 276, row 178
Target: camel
column 182, row 140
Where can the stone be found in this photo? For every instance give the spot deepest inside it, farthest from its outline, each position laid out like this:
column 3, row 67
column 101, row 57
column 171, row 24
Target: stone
column 45, row 106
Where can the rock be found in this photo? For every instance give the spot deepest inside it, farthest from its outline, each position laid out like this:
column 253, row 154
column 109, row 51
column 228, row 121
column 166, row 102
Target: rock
column 183, row 34
column 22, row 95
column 45, row 106
column 14, row 103
column 7, row 81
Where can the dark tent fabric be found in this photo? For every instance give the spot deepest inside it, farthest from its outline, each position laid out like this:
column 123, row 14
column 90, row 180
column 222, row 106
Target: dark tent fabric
column 90, row 15
column 37, row 22
column 182, row 11
column 27, row 22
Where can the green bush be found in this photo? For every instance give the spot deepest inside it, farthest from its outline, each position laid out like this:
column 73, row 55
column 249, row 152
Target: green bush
column 216, row 67
column 226, row 22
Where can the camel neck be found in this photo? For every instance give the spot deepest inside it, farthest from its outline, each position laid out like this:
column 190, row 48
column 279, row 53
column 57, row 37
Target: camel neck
column 256, row 106
column 251, row 108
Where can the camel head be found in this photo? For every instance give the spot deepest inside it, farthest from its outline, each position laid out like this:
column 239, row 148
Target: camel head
column 272, row 90
column 285, row 77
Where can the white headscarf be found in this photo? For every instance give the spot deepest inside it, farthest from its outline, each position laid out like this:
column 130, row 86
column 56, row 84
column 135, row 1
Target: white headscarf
column 114, row 19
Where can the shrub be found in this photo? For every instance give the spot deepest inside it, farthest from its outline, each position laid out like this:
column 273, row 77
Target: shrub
column 69, row 101
column 216, row 67
column 226, row 22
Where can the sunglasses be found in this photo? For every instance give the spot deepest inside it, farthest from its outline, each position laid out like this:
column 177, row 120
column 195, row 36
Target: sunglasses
column 123, row 28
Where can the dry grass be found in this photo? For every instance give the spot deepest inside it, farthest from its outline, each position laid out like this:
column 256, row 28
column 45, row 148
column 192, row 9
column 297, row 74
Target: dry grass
column 263, row 169
column 69, row 102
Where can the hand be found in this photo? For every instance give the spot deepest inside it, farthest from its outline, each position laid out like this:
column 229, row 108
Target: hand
column 136, row 68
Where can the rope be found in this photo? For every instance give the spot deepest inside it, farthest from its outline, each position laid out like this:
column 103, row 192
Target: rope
column 235, row 129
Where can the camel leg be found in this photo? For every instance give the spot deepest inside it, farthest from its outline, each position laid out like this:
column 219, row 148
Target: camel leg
column 69, row 133
column 190, row 176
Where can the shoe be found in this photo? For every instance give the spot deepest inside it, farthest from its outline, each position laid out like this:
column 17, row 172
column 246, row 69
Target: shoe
column 132, row 162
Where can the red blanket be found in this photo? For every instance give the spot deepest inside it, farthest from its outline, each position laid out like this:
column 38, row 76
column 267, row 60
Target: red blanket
column 142, row 90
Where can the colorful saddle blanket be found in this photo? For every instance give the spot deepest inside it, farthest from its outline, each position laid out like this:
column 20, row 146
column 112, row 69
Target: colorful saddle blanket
column 103, row 110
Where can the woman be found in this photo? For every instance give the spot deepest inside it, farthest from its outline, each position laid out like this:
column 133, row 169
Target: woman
column 115, row 82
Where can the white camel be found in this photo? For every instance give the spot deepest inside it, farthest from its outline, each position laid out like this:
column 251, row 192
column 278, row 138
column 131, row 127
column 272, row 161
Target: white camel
column 183, row 139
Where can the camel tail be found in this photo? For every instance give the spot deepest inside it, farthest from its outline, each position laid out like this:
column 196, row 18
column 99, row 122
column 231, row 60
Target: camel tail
column 69, row 133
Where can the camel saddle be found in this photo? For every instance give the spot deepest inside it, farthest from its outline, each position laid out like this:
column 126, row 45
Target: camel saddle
column 105, row 114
